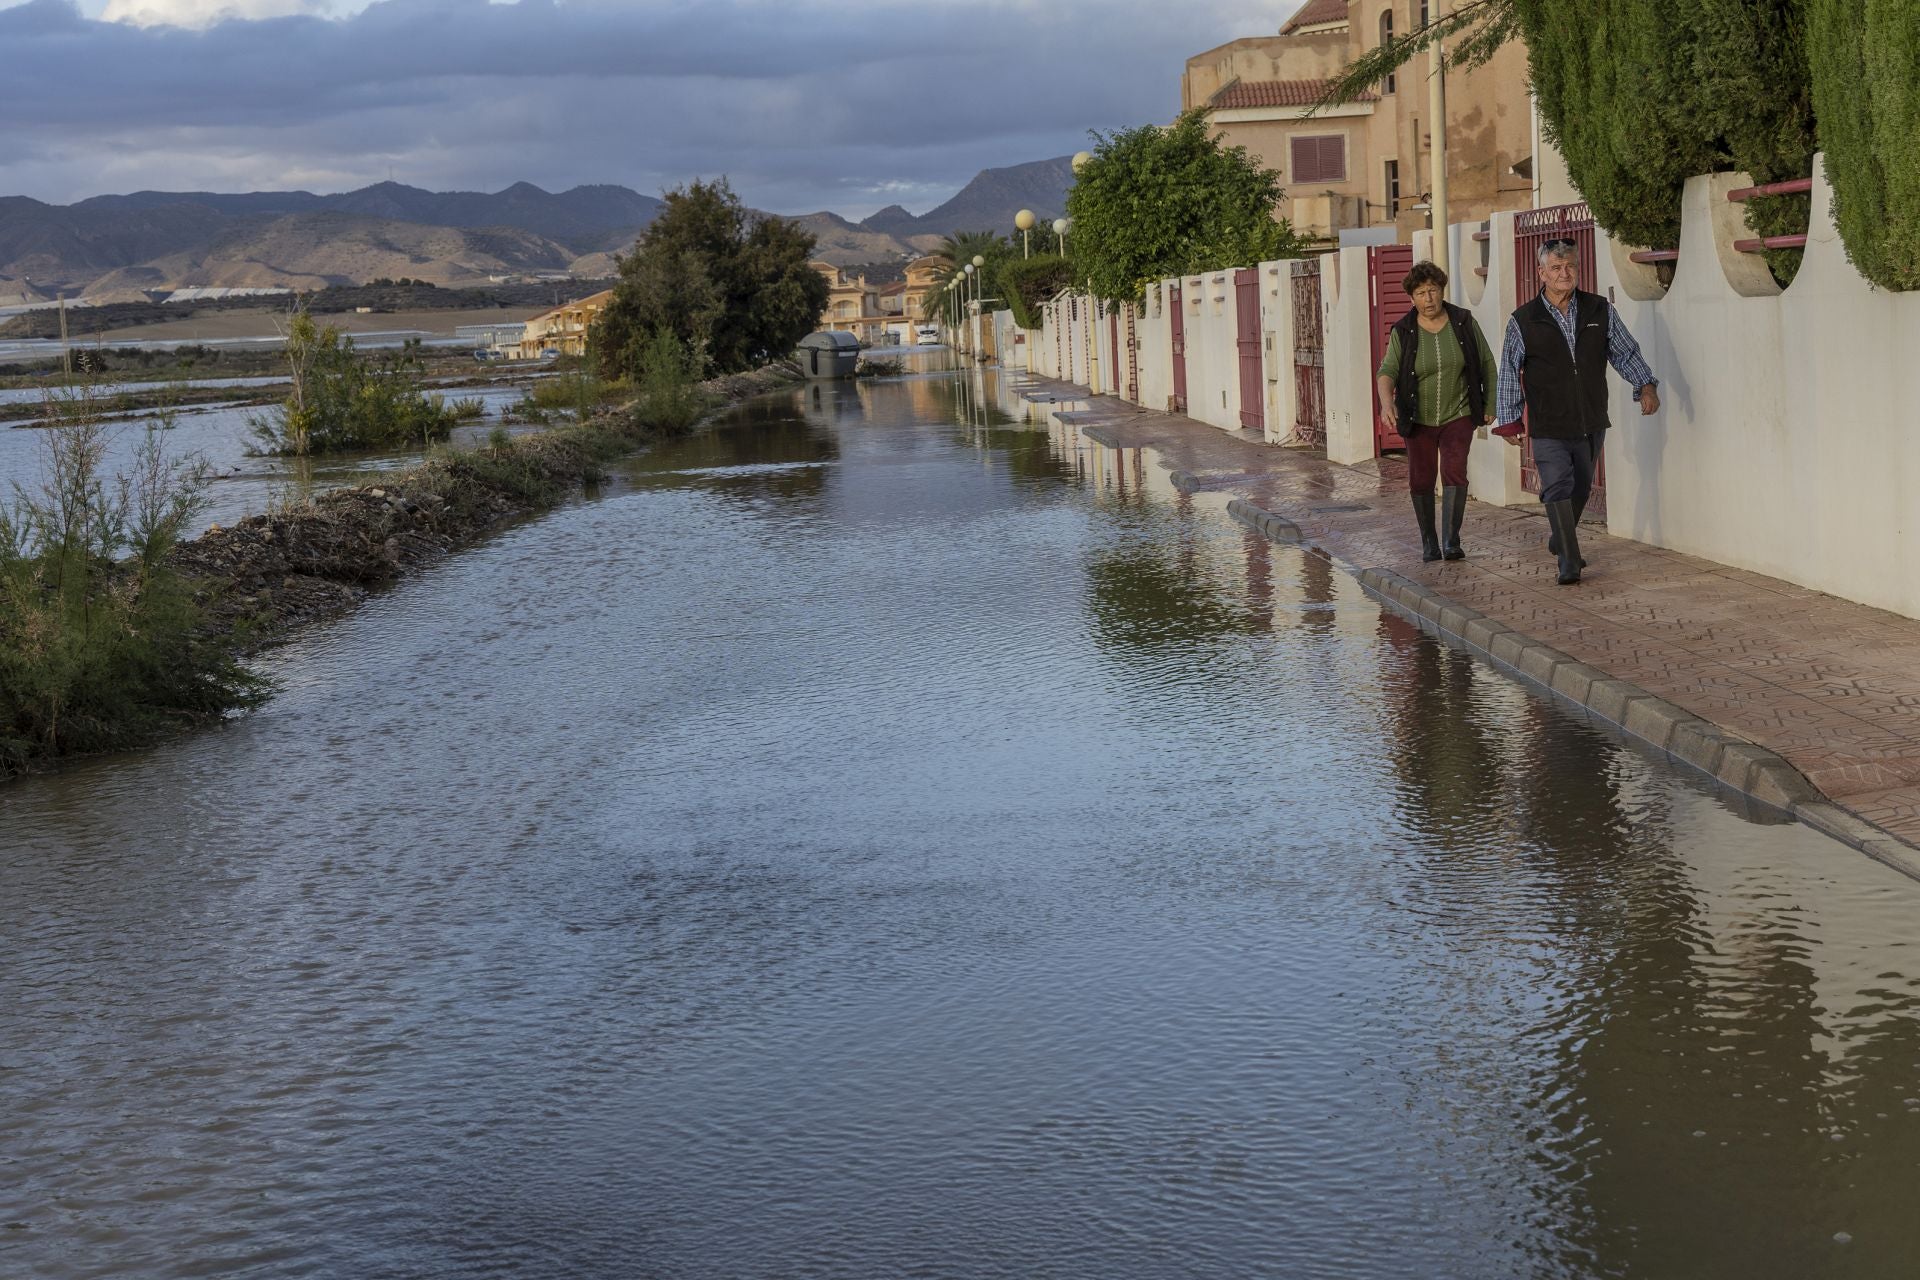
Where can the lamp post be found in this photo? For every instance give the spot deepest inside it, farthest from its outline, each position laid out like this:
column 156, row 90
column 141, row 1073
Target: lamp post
column 1437, row 115
column 966, row 311
column 1023, row 221
column 1060, row 226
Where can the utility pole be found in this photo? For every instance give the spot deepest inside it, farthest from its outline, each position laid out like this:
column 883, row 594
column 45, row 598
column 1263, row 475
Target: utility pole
column 1437, row 112
column 66, row 354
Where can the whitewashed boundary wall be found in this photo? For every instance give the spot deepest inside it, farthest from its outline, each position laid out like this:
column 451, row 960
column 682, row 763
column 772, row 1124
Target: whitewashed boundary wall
column 1785, row 442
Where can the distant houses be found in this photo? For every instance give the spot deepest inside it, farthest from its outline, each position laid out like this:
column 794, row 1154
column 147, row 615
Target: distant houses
column 877, row 313
column 559, row 332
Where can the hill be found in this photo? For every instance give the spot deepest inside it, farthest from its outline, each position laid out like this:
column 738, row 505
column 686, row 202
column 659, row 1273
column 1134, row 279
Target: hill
column 122, row 245
column 315, row 250
column 987, row 203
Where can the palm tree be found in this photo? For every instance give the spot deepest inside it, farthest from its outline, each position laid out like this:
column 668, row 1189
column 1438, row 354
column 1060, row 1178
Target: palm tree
column 955, row 251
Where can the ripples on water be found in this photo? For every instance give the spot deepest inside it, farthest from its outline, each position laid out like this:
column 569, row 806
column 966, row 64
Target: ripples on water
column 860, row 844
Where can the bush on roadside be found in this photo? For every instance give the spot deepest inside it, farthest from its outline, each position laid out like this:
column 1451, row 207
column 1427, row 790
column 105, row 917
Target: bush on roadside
column 339, row 401
column 1028, row 283
column 101, row 642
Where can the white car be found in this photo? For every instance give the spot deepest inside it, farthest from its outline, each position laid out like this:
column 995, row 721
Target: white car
column 928, row 336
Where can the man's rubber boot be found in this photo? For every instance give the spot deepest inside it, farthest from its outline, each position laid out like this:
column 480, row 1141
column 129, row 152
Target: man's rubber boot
column 1566, row 532
column 1423, row 516
column 1453, row 509
column 1553, row 540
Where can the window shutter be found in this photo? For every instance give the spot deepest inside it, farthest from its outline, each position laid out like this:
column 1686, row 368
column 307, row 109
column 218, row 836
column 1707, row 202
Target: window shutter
column 1320, row 158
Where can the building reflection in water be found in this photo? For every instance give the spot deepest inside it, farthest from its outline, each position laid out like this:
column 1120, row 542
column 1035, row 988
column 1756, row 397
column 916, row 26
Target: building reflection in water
column 1698, row 1094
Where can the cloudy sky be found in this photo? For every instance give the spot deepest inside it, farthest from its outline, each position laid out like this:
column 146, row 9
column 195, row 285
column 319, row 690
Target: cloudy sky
column 805, row 104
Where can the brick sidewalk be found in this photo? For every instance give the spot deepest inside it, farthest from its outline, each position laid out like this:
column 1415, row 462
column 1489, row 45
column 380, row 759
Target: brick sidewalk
column 1831, row 686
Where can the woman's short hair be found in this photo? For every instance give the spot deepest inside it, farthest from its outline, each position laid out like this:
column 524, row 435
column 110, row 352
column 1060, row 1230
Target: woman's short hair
column 1424, row 273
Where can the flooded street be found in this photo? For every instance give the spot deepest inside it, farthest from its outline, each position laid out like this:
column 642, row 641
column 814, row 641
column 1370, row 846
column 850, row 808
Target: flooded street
column 879, row 838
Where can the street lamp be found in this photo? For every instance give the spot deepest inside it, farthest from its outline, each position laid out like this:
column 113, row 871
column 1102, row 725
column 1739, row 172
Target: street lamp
column 1080, row 159
column 1060, row 226
column 1024, row 221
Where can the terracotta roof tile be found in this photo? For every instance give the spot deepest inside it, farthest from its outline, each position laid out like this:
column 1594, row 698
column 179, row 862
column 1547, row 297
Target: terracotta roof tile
column 1275, row 93
column 1315, row 12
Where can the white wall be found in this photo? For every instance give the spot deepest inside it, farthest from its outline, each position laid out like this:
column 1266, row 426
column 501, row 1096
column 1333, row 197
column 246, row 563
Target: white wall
column 1213, row 354
column 1155, row 333
column 1349, row 355
column 1785, row 442
column 1276, row 350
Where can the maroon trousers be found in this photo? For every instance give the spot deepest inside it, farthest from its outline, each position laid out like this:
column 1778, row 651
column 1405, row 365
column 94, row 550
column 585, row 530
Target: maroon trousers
column 1438, row 452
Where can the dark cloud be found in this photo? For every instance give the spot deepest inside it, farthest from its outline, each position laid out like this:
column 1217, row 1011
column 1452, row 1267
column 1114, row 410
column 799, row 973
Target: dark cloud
column 805, row 105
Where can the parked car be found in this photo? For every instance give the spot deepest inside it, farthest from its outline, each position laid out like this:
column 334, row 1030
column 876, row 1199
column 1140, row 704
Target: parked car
column 929, row 335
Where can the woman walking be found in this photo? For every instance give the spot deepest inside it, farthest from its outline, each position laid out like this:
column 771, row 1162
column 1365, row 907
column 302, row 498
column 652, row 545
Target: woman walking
column 1436, row 384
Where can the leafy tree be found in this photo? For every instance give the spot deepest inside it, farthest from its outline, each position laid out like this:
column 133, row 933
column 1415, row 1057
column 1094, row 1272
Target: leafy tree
column 1640, row 95
column 1156, row 202
column 1865, row 57
column 732, row 287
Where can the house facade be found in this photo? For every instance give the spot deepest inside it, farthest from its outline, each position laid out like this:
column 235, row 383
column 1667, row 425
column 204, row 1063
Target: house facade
column 1366, row 164
column 563, row 330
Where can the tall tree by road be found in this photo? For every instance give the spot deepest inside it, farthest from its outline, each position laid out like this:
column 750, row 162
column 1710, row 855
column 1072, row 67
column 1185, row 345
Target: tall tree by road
column 732, row 286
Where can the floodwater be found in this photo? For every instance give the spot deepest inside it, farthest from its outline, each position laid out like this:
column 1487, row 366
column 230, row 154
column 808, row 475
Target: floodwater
column 881, row 839
column 220, row 435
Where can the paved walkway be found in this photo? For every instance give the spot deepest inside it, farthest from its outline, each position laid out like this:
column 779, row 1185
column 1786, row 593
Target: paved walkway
column 1831, row 686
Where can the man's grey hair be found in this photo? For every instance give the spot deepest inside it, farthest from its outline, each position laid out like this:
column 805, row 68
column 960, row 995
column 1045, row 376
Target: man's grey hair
column 1569, row 249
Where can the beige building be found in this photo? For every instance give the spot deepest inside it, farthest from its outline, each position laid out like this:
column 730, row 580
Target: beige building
column 871, row 311
column 1367, row 163
column 563, row 330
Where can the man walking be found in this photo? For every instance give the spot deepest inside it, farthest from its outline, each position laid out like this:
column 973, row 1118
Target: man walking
column 1557, row 349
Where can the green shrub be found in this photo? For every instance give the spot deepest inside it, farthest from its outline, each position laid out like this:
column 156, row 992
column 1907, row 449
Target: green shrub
column 669, row 398
column 1865, row 57
column 340, row 402
column 1028, row 283
column 101, row 643
column 467, row 408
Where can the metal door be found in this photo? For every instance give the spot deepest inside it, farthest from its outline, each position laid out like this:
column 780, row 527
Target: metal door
column 1309, row 357
column 1179, row 350
column 1387, row 267
column 1246, row 288
column 1133, row 354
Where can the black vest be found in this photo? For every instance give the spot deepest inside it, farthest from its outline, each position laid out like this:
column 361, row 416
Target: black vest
column 1406, row 392
column 1566, row 393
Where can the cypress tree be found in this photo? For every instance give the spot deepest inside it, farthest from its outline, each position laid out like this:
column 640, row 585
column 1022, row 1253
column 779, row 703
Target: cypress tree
column 1643, row 94
column 1751, row 97
column 1614, row 79
column 1865, row 59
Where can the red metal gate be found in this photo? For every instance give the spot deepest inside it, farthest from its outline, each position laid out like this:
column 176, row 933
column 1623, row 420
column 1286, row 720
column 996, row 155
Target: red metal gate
column 1387, row 267
column 1531, row 229
column 1246, row 287
column 1309, row 356
column 1179, row 350
column 1133, row 354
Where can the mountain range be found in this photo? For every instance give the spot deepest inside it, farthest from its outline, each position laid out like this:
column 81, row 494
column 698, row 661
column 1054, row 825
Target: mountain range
column 119, row 247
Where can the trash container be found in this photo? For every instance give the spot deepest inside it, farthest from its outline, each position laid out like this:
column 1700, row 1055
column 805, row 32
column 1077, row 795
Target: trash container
column 828, row 354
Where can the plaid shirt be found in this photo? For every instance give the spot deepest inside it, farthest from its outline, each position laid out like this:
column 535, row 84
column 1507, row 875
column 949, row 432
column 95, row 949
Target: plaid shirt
column 1623, row 353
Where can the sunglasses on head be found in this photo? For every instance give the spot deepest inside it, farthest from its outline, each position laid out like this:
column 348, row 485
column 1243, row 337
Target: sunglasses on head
column 1561, row 243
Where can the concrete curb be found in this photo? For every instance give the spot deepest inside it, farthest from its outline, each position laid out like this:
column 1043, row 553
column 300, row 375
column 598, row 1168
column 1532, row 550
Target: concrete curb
column 1683, row 737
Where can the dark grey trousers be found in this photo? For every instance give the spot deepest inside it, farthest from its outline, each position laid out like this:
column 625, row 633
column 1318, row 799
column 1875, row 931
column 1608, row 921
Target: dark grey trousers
column 1566, row 466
